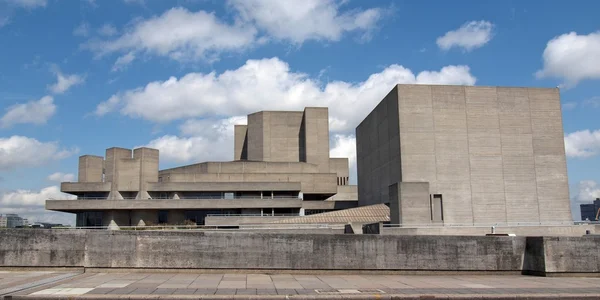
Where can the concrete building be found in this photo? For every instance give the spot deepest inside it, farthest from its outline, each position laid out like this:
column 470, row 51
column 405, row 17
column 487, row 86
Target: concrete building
column 590, row 211
column 281, row 166
column 12, row 221
column 465, row 155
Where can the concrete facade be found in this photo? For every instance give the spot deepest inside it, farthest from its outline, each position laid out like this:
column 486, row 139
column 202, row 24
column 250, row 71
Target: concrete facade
column 281, row 251
column 489, row 154
column 281, row 159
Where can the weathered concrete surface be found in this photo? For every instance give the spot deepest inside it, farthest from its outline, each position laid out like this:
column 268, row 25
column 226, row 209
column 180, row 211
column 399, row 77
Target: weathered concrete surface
column 495, row 154
column 243, row 250
column 42, row 248
column 558, row 230
column 567, row 254
column 285, row 251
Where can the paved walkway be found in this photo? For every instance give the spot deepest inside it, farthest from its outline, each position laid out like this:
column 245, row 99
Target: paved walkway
column 287, row 286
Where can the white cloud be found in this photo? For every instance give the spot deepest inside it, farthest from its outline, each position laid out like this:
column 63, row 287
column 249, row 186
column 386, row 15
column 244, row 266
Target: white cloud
column 28, row 3
column 205, row 140
column 180, row 35
column 30, row 205
column 82, row 29
column 33, row 112
column 300, row 20
column 65, row 82
column 582, row 144
column 587, row 190
column 107, row 30
column 269, row 83
column 469, row 36
column 123, row 61
column 21, row 151
column 572, row 57
column 345, row 146
column 62, row 177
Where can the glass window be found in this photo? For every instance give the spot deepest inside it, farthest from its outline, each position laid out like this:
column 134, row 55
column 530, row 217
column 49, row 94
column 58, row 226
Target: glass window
column 162, row 217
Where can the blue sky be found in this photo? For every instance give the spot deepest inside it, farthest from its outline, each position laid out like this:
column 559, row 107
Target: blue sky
column 79, row 77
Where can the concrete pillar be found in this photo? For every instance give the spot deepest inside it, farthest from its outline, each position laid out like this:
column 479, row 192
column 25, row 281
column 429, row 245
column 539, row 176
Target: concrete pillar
column 148, row 170
column 91, row 168
column 315, row 129
column 240, row 142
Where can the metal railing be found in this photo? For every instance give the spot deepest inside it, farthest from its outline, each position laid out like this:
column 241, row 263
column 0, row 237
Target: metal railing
column 487, row 225
column 226, row 227
column 266, row 214
column 193, row 198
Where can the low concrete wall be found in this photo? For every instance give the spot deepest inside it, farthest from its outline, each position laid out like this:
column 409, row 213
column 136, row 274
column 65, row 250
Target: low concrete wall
column 563, row 255
column 258, row 250
column 244, row 250
column 563, row 230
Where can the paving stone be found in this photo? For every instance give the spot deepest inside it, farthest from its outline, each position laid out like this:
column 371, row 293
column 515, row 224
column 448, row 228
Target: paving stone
column 184, row 291
column 245, row 292
column 286, row 292
column 225, row 292
column 163, row 291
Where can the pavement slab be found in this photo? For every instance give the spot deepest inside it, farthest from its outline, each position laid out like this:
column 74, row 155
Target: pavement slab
column 293, row 286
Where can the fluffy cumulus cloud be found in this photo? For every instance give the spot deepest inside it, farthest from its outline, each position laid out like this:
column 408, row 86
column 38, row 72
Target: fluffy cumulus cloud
column 255, row 86
column 201, row 140
column 572, row 58
column 61, row 177
column 179, row 34
column 64, row 81
column 21, row 151
column 587, row 190
column 344, row 145
column 269, row 83
column 30, row 204
column 185, row 35
column 299, row 20
column 33, row 112
column 583, row 144
column 469, row 36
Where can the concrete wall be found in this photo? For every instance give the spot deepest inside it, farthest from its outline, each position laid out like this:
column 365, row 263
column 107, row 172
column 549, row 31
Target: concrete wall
column 378, row 151
column 345, row 193
column 340, row 166
column 315, row 127
column 557, row 230
column 495, row 154
column 310, row 183
column 409, row 203
column 90, row 168
column 258, row 250
column 281, row 250
column 240, row 142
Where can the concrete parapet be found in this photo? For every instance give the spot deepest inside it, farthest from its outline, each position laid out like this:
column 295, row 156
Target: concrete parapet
column 288, row 251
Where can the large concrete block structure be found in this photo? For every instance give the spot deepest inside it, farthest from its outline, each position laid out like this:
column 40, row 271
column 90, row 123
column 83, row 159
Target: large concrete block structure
column 281, row 166
column 465, row 155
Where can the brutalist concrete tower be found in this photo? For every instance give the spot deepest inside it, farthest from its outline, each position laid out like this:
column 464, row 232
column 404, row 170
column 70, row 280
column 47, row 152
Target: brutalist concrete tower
column 463, row 154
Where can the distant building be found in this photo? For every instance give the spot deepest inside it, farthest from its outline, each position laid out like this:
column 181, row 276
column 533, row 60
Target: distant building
column 465, row 155
column 589, row 211
column 281, row 166
column 12, row 221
